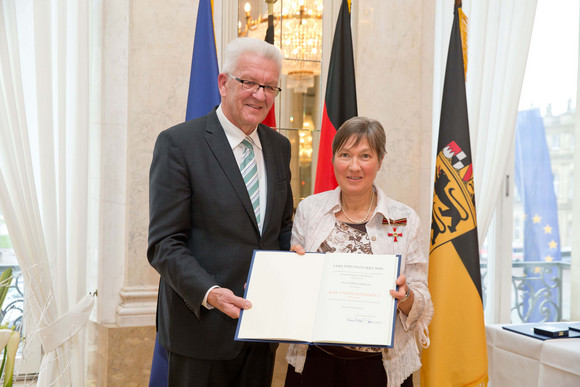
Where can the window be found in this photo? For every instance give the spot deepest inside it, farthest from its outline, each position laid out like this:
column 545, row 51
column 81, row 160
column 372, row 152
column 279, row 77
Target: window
column 542, row 238
column 528, row 253
column 556, row 182
column 12, row 311
column 555, row 143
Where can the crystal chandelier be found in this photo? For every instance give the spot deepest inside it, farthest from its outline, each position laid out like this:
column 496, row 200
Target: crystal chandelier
column 297, row 32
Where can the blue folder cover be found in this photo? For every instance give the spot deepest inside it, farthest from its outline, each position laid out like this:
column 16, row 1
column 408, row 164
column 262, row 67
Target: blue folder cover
column 318, row 343
column 528, row 330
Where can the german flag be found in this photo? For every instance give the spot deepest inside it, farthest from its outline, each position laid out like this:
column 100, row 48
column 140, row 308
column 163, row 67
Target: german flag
column 270, row 119
column 457, row 355
column 340, row 98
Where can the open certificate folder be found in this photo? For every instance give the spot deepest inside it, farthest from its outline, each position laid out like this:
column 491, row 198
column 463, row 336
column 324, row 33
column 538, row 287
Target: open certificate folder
column 319, row 298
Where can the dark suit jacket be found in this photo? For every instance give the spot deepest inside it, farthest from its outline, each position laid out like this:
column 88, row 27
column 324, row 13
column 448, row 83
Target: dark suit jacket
column 203, row 231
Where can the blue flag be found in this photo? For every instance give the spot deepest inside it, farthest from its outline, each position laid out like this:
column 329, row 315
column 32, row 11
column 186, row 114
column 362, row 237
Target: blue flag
column 535, row 183
column 202, row 98
column 159, row 366
column 203, row 88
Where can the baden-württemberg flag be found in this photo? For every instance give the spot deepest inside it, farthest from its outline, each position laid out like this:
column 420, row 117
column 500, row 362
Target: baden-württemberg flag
column 202, row 98
column 457, row 355
column 339, row 100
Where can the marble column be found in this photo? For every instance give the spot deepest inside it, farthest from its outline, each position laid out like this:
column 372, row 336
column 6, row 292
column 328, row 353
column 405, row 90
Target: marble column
column 146, row 57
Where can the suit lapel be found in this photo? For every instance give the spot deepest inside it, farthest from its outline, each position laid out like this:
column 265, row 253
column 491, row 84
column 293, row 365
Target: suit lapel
column 270, row 163
column 220, row 147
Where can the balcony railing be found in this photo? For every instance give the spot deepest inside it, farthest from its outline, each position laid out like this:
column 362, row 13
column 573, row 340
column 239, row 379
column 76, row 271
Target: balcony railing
column 12, row 310
column 537, row 286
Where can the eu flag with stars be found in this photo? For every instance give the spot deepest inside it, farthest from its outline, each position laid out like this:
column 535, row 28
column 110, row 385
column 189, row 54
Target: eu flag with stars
column 535, row 183
column 203, row 88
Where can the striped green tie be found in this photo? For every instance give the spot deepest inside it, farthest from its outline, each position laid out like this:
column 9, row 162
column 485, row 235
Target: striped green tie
column 249, row 171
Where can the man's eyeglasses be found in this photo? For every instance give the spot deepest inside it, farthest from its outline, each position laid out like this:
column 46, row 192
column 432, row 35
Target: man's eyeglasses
column 255, row 86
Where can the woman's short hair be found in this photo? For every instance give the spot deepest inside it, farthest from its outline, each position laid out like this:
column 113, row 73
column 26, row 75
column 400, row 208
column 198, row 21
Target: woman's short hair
column 359, row 128
column 245, row 45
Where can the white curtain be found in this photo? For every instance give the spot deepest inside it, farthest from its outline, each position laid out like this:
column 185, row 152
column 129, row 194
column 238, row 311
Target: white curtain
column 44, row 179
column 498, row 43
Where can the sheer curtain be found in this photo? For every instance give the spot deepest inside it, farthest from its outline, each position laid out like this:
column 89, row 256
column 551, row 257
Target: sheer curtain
column 44, row 179
column 498, row 43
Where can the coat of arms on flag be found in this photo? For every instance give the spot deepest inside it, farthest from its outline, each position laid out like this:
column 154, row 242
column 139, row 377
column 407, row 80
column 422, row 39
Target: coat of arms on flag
column 453, row 199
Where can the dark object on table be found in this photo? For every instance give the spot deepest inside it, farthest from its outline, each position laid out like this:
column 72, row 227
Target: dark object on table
column 551, row 330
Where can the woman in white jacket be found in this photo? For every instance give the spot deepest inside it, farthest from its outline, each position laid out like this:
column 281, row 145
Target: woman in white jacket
column 357, row 217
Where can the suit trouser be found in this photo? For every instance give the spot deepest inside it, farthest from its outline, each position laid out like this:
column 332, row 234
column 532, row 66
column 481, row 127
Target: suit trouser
column 253, row 367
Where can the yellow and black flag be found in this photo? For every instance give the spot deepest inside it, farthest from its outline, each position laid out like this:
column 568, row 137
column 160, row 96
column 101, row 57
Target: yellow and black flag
column 457, row 355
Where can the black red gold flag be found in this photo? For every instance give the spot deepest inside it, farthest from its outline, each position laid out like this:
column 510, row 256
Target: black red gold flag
column 340, row 98
column 270, row 119
column 457, row 355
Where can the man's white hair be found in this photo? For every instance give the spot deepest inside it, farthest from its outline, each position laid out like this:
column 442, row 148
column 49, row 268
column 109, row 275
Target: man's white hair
column 239, row 46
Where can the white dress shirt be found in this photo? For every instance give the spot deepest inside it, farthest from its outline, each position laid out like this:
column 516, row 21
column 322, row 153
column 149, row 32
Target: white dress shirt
column 235, row 137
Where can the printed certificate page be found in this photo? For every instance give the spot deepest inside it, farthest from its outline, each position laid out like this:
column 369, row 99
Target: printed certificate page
column 320, row 298
column 355, row 305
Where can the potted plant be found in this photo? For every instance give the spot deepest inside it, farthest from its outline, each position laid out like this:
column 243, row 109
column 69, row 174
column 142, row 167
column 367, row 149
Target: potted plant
column 9, row 337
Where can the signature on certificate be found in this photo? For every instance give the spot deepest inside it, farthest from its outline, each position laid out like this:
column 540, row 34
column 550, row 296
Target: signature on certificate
column 362, row 320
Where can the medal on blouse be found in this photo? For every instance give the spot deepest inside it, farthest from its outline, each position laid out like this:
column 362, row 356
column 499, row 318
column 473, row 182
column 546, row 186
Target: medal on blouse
column 394, row 223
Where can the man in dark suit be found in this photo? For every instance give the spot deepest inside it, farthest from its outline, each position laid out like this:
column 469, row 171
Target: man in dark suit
column 205, row 225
